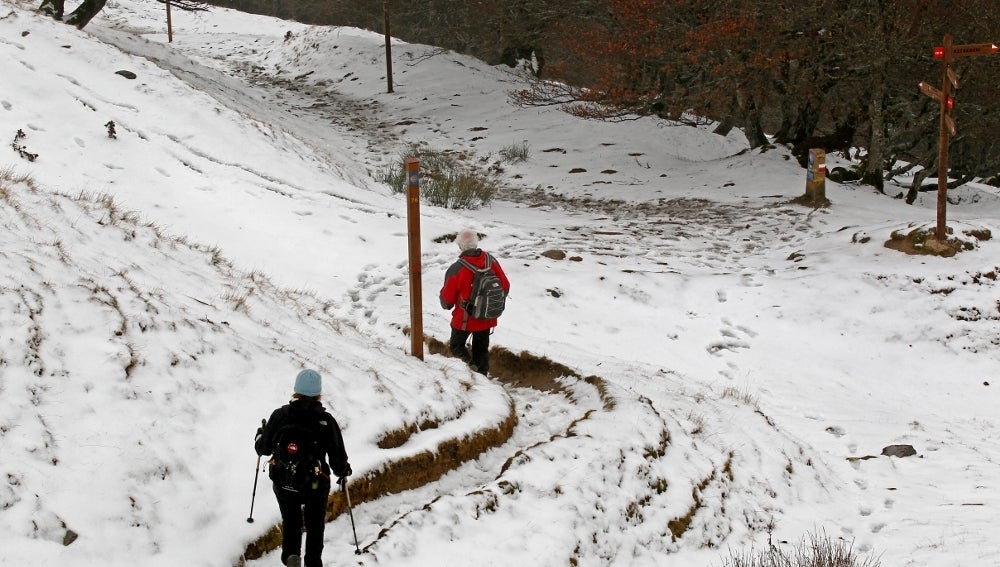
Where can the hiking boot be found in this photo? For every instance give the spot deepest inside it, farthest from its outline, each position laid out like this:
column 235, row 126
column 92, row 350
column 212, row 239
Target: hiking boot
column 293, row 561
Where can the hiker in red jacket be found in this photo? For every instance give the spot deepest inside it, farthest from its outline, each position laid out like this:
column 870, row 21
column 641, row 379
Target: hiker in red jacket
column 457, row 289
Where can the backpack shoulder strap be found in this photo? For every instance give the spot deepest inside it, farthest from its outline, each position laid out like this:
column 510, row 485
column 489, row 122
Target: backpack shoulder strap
column 472, row 267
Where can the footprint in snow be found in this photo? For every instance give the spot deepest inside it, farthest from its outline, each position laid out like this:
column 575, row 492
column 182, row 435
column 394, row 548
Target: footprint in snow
column 719, row 346
column 836, row 431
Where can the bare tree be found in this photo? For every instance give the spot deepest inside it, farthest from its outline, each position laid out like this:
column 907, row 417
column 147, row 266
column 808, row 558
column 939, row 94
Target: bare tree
column 840, row 74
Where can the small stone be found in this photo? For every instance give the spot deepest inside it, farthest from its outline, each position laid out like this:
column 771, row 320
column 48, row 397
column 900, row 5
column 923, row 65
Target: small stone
column 899, row 451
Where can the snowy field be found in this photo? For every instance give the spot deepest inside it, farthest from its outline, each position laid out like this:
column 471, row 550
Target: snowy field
column 162, row 287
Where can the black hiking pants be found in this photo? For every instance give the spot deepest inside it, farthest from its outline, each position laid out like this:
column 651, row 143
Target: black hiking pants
column 303, row 509
column 479, row 360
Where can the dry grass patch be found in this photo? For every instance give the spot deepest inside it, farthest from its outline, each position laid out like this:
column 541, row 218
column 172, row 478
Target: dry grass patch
column 678, row 526
column 815, row 550
column 923, row 241
column 518, row 369
column 398, row 437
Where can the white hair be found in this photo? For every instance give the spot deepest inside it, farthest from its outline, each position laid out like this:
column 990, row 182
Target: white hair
column 467, row 239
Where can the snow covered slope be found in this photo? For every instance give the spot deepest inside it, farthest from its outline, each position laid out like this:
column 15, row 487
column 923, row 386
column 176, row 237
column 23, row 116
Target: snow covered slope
column 734, row 358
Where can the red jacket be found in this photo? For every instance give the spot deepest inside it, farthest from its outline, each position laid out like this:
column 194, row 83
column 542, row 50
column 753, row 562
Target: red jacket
column 458, row 287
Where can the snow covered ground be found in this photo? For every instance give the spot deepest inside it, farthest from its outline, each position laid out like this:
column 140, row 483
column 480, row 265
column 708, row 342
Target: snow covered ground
column 161, row 288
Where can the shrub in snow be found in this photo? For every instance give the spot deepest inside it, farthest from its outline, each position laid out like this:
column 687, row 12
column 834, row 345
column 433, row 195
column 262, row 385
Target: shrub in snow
column 445, row 180
column 813, row 551
column 21, row 150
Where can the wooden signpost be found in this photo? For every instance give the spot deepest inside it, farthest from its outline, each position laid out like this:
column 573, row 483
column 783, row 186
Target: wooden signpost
column 948, row 129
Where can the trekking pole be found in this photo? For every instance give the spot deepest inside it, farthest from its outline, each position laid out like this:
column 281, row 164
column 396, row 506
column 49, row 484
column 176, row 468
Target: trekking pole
column 347, row 493
column 254, row 495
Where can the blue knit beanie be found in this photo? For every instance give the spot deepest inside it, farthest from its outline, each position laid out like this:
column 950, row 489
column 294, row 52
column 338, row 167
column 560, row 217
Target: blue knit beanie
column 308, row 383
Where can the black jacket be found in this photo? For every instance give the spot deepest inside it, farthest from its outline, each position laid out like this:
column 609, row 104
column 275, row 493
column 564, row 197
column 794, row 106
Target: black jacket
column 307, row 410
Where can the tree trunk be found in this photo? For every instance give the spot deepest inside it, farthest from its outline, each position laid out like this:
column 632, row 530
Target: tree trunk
column 752, row 127
column 918, row 182
column 873, row 173
column 755, row 131
column 52, row 8
column 725, row 126
column 85, row 12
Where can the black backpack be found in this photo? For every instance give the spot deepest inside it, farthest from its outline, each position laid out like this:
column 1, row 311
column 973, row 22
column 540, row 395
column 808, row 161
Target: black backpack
column 488, row 298
column 297, row 460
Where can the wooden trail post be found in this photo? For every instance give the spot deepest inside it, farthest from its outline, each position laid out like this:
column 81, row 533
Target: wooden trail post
column 816, row 178
column 413, row 234
column 388, row 45
column 170, row 25
column 949, row 81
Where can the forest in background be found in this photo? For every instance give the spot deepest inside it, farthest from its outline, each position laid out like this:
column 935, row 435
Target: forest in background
column 838, row 74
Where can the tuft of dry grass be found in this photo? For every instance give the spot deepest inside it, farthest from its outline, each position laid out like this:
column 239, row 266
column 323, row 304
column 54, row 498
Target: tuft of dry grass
column 815, row 550
column 516, row 152
column 238, row 298
column 8, row 179
column 697, row 423
column 743, row 395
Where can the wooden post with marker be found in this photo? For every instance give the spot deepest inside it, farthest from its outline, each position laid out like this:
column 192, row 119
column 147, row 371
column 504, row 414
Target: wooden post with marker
column 413, row 235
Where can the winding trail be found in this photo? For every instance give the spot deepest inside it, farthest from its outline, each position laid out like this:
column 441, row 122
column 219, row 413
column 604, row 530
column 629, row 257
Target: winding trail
column 544, row 412
column 552, row 408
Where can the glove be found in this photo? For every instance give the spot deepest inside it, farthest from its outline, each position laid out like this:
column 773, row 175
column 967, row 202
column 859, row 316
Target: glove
column 260, row 430
column 342, row 480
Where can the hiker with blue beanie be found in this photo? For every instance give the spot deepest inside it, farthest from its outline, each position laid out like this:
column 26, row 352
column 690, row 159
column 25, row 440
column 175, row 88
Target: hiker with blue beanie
column 305, row 444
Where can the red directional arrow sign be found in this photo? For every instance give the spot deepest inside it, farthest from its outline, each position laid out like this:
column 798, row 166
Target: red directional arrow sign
column 968, row 49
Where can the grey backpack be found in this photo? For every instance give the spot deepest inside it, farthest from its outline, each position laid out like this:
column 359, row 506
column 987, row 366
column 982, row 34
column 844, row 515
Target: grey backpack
column 488, row 298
